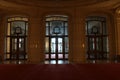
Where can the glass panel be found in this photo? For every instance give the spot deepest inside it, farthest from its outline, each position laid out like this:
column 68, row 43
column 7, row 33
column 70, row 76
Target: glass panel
column 60, row 61
column 8, row 29
column 51, row 29
column 53, row 56
column 53, row 45
column 46, row 62
column 21, row 44
column 53, row 62
column 17, row 18
column 56, row 28
column 26, row 29
column 12, row 19
column 66, row 44
column 8, row 44
column 66, row 62
column 47, row 30
column 104, row 28
column 25, row 19
column 56, row 17
column 60, row 45
column 66, row 24
column 66, row 28
column 96, row 24
column 46, row 44
column 99, row 43
column 86, row 27
column 60, row 56
column 105, row 44
column 92, row 44
column 14, row 44
column 66, row 56
column 18, row 24
column 46, row 56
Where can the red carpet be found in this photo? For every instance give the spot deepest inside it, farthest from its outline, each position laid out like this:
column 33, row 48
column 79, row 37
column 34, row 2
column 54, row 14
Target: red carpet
column 60, row 72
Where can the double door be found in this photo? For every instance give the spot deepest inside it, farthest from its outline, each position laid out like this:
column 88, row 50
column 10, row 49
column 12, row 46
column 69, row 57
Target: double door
column 97, row 48
column 57, row 53
column 18, row 48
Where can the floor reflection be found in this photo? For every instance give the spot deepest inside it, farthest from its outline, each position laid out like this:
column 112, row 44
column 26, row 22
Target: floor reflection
column 56, row 62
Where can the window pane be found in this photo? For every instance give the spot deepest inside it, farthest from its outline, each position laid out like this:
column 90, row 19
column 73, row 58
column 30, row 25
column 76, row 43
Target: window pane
column 21, row 44
column 8, row 29
column 52, row 61
column 18, row 24
column 17, row 18
column 46, row 44
column 46, row 56
column 66, row 56
column 66, row 44
column 8, row 44
column 104, row 28
column 92, row 44
column 99, row 44
column 26, row 30
column 66, row 31
column 105, row 44
column 60, row 61
column 14, row 44
column 96, row 24
column 60, row 56
column 47, row 30
column 60, row 45
column 25, row 19
column 47, row 62
column 53, row 56
column 53, row 45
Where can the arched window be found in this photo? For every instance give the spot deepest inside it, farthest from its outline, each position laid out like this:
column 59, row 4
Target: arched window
column 56, row 40
column 97, row 38
column 16, row 40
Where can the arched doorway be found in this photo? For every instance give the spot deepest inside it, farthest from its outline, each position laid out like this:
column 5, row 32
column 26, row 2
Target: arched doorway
column 16, row 40
column 97, row 38
column 56, row 40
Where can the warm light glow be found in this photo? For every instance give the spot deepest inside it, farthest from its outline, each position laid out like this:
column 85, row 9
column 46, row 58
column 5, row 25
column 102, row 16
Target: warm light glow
column 83, row 45
column 8, row 45
column 8, row 30
column 47, row 45
column 119, row 12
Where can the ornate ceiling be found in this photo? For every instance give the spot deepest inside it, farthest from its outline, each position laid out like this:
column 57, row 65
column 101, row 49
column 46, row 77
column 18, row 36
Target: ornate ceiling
column 60, row 3
column 51, row 3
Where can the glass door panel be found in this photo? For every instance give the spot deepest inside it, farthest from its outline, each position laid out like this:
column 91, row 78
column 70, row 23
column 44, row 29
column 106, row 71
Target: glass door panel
column 18, row 48
column 60, row 45
column 96, row 35
column 16, row 37
column 53, row 45
column 56, row 40
column 66, row 45
column 46, row 44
